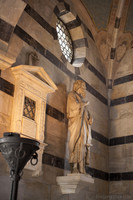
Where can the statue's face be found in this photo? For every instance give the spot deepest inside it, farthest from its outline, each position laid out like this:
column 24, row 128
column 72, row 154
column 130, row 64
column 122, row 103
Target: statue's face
column 82, row 90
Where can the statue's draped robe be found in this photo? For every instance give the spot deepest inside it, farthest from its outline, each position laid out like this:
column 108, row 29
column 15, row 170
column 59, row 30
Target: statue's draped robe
column 78, row 125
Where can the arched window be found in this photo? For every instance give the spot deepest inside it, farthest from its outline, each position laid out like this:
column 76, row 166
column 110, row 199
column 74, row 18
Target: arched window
column 65, row 41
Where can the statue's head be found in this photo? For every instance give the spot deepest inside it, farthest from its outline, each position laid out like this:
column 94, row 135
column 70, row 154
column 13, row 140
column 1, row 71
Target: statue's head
column 80, row 88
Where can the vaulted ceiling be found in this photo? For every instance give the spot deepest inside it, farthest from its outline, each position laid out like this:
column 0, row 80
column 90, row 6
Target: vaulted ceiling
column 113, row 24
column 100, row 11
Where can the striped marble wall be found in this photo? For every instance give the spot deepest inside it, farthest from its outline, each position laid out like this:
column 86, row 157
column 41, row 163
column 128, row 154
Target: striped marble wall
column 111, row 153
column 35, row 31
column 121, row 136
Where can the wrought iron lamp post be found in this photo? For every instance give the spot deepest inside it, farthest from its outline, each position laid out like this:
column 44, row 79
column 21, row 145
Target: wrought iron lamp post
column 17, row 151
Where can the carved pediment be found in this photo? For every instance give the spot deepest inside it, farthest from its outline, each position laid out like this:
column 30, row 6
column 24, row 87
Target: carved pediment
column 36, row 73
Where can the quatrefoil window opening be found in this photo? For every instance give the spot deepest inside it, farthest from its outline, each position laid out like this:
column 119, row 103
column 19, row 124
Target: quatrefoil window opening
column 65, row 41
column 29, row 108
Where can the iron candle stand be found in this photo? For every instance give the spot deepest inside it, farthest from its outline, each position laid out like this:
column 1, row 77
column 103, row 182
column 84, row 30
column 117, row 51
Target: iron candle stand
column 17, row 151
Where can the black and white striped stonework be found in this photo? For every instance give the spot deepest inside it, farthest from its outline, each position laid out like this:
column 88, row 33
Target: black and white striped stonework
column 74, row 26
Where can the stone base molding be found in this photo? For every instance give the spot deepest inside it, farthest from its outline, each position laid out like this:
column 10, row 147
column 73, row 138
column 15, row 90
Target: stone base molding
column 73, row 183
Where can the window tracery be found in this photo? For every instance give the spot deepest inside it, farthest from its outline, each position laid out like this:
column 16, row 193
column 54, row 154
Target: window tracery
column 65, row 41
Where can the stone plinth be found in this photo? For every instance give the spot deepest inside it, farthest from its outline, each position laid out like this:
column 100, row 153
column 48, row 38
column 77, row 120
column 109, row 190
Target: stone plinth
column 73, row 183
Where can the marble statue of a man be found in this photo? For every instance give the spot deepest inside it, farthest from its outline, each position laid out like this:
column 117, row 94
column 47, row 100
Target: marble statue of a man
column 79, row 121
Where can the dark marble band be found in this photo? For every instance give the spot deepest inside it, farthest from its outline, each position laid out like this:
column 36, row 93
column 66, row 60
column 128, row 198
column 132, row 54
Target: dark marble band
column 97, row 173
column 123, row 79
column 112, row 53
column 29, row 40
column 53, row 59
column 124, row 176
column 6, row 30
column 56, row 11
column 6, row 87
column 95, row 93
column 80, row 43
column 65, row 11
column 95, row 71
column 117, row 22
column 67, row 6
column 54, row 161
column 122, row 100
column 41, row 21
column 53, row 112
column 121, row 140
column 88, row 32
column 73, row 24
column 97, row 136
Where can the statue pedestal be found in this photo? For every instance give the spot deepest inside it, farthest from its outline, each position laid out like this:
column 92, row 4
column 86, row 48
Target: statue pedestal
column 73, row 183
